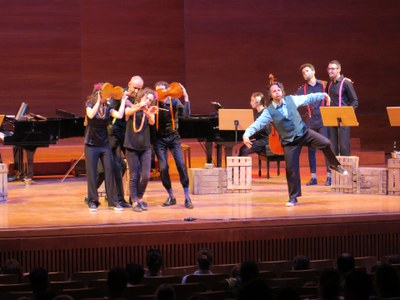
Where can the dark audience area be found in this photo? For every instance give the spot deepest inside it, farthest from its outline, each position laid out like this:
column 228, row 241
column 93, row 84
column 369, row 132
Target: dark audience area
column 346, row 277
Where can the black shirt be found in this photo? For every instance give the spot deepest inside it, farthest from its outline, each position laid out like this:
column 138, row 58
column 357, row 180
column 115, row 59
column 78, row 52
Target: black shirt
column 96, row 129
column 137, row 140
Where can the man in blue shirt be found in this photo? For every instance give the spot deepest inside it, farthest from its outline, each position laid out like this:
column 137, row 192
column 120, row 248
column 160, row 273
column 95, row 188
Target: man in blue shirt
column 282, row 112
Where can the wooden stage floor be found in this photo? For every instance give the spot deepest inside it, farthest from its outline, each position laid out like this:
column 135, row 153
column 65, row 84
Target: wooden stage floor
column 48, row 223
column 48, row 203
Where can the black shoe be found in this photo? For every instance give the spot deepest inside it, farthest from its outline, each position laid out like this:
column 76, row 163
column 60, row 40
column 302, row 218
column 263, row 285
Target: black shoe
column 93, row 206
column 313, row 181
column 170, row 201
column 292, row 202
column 11, row 178
column 86, row 200
column 188, row 203
column 125, row 204
column 339, row 169
column 328, row 181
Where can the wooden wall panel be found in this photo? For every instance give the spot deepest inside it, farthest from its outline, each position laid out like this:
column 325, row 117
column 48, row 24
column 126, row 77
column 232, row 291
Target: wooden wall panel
column 52, row 51
column 39, row 55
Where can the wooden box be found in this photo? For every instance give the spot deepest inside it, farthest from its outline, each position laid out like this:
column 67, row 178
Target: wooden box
column 238, row 172
column 348, row 183
column 207, row 181
column 394, row 176
column 372, row 181
column 3, row 182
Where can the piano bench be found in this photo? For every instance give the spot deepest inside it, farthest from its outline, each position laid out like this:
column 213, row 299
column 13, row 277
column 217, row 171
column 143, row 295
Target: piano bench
column 268, row 157
column 187, row 155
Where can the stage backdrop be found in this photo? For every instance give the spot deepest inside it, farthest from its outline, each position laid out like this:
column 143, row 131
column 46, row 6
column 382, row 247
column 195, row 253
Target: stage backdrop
column 53, row 51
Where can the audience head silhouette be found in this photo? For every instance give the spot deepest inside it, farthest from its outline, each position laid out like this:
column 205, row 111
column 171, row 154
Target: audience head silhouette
column 301, row 262
column 154, row 262
column 204, row 259
column 117, row 280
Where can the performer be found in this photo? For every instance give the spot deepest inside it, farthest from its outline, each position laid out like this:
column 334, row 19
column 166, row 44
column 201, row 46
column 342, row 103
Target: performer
column 282, row 112
column 258, row 146
column 166, row 137
column 116, row 135
column 313, row 118
column 342, row 93
column 98, row 113
column 137, row 144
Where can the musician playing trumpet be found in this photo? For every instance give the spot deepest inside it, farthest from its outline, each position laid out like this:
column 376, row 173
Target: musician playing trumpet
column 137, row 145
column 97, row 147
column 166, row 137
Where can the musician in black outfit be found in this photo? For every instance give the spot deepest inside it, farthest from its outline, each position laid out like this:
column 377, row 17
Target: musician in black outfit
column 97, row 147
column 342, row 93
column 261, row 139
column 116, row 135
column 166, row 137
column 137, row 145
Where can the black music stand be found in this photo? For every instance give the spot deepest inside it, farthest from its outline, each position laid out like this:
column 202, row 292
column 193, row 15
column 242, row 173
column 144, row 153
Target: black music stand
column 337, row 116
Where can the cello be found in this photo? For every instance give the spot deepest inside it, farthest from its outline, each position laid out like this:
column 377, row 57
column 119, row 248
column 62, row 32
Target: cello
column 274, row 141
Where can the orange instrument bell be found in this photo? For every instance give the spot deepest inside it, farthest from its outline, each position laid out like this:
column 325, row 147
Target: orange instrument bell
column 174, row 91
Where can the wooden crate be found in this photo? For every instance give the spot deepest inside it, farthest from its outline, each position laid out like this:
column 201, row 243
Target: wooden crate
column 348, row 183
column 207, row 181
column 372, row 181
column 394, row 176
column 3, row 182
column 239, row 171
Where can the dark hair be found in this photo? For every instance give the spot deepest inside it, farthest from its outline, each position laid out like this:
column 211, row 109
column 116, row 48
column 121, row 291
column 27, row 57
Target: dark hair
column 135, row 273
column 307, row 65
column 358, row 285
column 248, row 270
column 345, row 262
column 12, row 266
column 335, row 62
column 154, row 261
column 278, row 84
column 301, row 262
column 39, row 280
column 165, row 292
column 329, row 284
column 92, row 98
column 204, row 259
column 117, row 279
column 163, row 83
column 387, row 281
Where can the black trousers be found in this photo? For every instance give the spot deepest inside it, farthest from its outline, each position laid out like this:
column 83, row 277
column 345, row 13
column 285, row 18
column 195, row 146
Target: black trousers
column 292, row 158
column 340, row 140
column 312, row 151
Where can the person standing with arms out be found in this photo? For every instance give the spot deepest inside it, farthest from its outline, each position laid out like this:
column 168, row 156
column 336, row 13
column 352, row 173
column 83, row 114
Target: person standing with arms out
column 342, row 93
column 97, row 147
column 283, row 113
column 313, row 118
column 258, row 146
column 137, row 145
column 166, row 137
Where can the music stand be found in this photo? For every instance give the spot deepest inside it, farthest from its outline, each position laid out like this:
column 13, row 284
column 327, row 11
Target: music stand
column 337, row 116
column 394, row 115
column 235, row 119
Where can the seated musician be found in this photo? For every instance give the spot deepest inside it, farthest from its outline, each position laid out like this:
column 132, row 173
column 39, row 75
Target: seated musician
column 257, row 104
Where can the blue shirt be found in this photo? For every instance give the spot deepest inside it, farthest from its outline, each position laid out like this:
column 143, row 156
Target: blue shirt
column 266, row 118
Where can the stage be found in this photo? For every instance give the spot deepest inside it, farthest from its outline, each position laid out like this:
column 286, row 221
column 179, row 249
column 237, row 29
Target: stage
column 47, row 223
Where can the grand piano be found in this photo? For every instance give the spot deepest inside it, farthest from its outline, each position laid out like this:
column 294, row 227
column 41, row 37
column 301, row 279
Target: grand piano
column 205, row 129
column 32, row 131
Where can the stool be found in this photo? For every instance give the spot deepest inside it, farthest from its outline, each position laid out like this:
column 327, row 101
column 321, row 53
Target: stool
column 269, row 156
column 186, row 155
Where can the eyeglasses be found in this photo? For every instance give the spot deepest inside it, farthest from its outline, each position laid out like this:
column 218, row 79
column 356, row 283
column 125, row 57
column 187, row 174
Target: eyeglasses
column 329, row 69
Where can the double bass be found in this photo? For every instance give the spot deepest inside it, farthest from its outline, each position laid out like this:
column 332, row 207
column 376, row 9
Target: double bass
column 274, row 141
